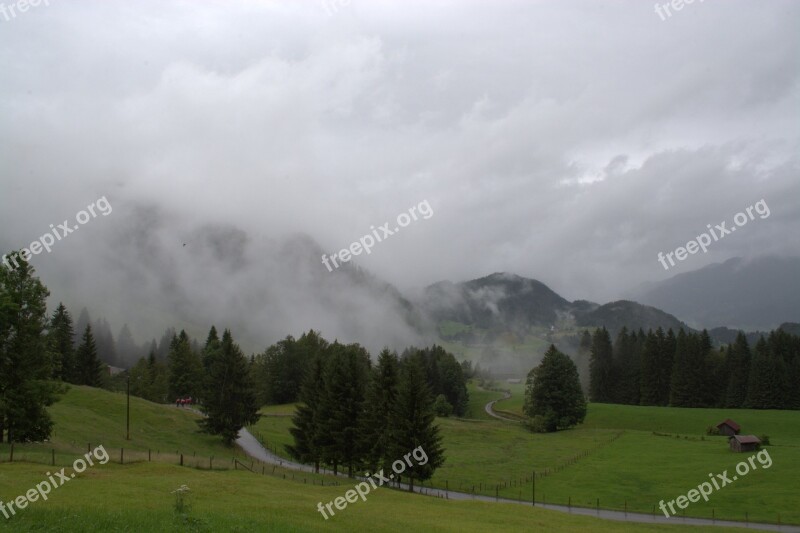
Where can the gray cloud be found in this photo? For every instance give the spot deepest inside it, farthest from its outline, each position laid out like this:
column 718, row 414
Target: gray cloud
column 565, row 141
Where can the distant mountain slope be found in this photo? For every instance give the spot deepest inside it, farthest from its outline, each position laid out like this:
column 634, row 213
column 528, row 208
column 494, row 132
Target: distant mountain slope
column 509, row 302
column 749, row 294
column 499, row 300
column 613, row 316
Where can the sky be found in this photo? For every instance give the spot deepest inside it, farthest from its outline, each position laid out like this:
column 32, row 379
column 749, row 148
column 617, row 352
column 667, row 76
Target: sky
column 565, row 141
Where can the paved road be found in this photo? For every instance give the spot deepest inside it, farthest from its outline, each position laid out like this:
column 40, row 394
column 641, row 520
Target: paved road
column 490, row 408
column 254, row 448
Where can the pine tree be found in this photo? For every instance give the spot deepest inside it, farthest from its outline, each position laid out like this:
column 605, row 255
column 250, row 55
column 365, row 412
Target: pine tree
column 766, row 379
column 651, row 352
column 229, row 398
column 61, row 335
column 601, row 380
column 185, row 368
column 377, row 419
column 668, row 344
column 627, row 369
column 553, row 392
column 307, row 447
column 127, row 350
column 89, row 369
column 413, row 421
column 684, row 372
column 737, row 363
column 25, row 360
column 345, row 378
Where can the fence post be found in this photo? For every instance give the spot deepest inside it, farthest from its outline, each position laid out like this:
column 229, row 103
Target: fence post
column 181, row 459
column 11, row 457
column 598, row 506
column 533, row 488
column 148, row 454
column 122, row 456
column 54, row 457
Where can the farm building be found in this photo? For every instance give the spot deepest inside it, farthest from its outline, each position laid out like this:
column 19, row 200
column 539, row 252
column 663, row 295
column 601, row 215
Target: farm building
column 728, row 427
column 744, row 443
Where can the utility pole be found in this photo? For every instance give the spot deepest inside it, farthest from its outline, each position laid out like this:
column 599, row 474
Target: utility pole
column 128, row 411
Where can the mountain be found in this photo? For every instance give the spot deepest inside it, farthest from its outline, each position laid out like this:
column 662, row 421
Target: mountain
column 757, row 294
column 501, row 300
column 507, row 302
column 613, row 316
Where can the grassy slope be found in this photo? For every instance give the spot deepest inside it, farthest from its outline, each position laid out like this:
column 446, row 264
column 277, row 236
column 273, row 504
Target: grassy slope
column 86, row 415
column 137, row 498
column 638, row 470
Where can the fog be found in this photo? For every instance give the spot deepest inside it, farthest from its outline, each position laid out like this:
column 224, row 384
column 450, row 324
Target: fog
column 237, row 141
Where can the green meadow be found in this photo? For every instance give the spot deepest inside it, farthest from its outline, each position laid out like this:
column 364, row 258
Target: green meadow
column 625, row 456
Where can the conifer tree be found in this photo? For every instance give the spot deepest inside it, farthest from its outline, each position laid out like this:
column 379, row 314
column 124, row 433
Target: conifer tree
column 601, row 367
column 25, row 359
column 307, row 447
column 377, row 420
column 413, row 421
column 89, row 368
column 229, row 398
column 737, row 363
column 61, row 344
column 553, row 392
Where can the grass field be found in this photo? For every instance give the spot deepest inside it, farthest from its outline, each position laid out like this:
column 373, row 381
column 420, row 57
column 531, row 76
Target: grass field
column 635, row 471
column 135, row 498
column 615, row 456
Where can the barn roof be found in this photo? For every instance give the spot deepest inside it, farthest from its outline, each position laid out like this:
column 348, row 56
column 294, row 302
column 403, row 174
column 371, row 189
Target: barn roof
column 747, row 439
column 730, row 423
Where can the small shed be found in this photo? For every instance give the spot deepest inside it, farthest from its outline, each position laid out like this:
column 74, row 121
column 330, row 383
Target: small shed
column 744, row 443
column 728, row 427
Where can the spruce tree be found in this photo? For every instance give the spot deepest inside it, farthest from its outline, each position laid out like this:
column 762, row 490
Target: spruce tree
column 61, row 343
column 651, row 352
column 229, row 398
column 737, row 363
column 627, row 369
column 764, row 389
column 345, row 377
column 185, row 368
column 89, row 368
column 601, row 367
column 553, row 392
column 377, row 419
column 413, row 422
column 25, row 359
column 684, row 371
column 307, row 447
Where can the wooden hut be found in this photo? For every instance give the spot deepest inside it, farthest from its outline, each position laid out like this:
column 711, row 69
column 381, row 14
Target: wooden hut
column 728, row 427
column 744, row 443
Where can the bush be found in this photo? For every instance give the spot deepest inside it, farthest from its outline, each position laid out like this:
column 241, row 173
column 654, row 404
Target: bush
column 537, row 424
column 764, row 440
column 442, row 407
column 711, row 430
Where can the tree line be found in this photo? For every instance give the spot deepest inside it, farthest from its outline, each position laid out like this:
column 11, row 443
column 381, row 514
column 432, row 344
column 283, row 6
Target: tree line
column 685, row 370
column 360, row 417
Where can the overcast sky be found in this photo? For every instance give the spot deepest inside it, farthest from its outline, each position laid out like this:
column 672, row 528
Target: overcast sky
column 564, row 141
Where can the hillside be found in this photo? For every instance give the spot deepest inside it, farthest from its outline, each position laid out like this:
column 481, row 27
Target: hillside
column 757, row 294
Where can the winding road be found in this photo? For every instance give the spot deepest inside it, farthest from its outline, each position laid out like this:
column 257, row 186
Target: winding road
column 254, row 449
column 490, row 408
